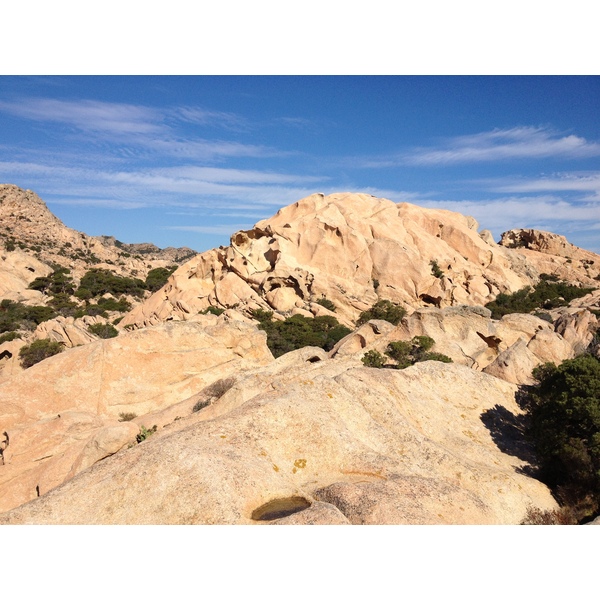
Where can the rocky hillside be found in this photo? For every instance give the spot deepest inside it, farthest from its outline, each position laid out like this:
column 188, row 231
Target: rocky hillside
column 187, row 417
column 354, row 249
column 27, row 225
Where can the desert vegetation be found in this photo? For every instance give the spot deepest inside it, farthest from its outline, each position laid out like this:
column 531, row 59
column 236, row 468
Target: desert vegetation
column 38, row 351
column 299, row 331
column 564, row 413
column 385, row 310
column 405, row 354
column 547, row 294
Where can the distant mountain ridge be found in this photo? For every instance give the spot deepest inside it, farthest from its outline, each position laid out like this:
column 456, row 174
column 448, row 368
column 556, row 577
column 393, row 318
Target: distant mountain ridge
column 27, row 223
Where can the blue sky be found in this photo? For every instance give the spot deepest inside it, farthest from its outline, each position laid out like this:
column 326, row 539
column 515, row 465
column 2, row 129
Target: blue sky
column 186, row 161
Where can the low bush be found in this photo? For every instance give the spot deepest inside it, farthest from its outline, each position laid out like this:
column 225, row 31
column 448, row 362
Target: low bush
column 385, row 310
column 98, row 282
column 373, row 359
column 157, row 278
column 326, row 303
column 145, row 433
column 417, row 350
column 103, row 330
column 435, row 269
column 299, row 331
column 547, row 294
column 212, row 310
column 564, row 413
column 38, row 351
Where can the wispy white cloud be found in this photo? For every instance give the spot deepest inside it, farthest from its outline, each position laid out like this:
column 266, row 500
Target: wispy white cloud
column 136, row 127
column 213, row 118
column 504, row 144
column 212, row 229
column 102, row 203
column 547, row 213
column 89, row 115
column 223, row 175
column 561, row 182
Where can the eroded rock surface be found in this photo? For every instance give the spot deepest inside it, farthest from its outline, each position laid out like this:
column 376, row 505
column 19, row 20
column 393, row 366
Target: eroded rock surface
column 351, row 249
column 358, row 445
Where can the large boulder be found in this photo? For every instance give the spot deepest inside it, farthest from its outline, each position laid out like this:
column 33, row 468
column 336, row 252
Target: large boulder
column 328, row 443
column 61, row 414
column 351, row 249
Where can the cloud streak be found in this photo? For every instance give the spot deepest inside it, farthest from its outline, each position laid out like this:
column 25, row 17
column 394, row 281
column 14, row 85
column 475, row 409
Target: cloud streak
column 505, row 144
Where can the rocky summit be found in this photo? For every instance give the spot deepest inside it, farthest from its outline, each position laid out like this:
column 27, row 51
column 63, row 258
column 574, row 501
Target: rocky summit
column 216, row 401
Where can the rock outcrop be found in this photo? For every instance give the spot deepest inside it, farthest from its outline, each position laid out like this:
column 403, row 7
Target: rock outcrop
column 331, row 443
column 314, row 436
column 552, row 253
column 28, row 228
column 61, row 414
column 351, row 249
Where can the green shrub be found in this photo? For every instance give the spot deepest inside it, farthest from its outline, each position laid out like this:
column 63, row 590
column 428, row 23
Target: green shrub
column 103, row 330
column 564, row 411
column 299, row 331
column 120, row 305
column 212, row 310
column 546, row 294
column 9, row 336
column 435, row 269
column 435, row 356
column 385, row 310
column 38, row 351
column 157, row 278
column 326, row 303
column 373, row 359
column 101, row 281
column 15, row 315
column 262, row 316
column 145, row 433
column 417, row 350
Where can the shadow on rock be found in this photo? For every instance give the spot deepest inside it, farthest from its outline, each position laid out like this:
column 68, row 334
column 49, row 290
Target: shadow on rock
column 508, row 432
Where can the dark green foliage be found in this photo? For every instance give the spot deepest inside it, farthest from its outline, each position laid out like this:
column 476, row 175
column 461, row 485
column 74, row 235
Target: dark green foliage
column 262, row 316
column 546, row 294
column 145, row 433
column 38, row 351
column 383, row 309
column 417, row 350
column 103, row 330
column 326, row 303
column 401, row 353
column 564, row 412
column 156, row 278
column 63, row 305
column 58, row 282
column 101, row 281
column 9, row 336
column 120, row 305
column 9, row 245
column 373, row 359
column 15, row 315
column 212, row 310
column 375, row 284
column 299, row 331
column 435, row 269
column 435, row 356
